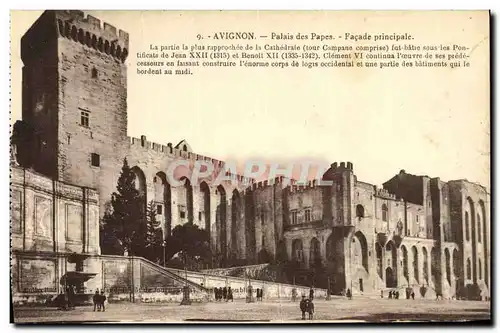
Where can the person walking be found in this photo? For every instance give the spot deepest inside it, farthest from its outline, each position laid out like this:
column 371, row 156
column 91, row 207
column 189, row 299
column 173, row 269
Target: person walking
column 303, row 306
column 230, row 295
column 224, row 293
column 311, row 294
column 95, row 299
column 102, row 300
column 310, row 308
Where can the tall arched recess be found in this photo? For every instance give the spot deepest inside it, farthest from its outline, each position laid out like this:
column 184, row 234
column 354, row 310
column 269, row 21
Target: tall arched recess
column 205, row 200
column 359, row 250
column 390, row 264
column 359, row 262
column 140, row 185
column 486, row 240
column 163, row 195
column 221, row 226
column 472, row 215
column 235, row 223
column 189, row 199
column 378, row 253
column 249, row 225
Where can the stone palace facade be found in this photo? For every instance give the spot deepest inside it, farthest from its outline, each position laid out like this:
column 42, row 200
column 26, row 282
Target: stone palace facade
column 416, row 231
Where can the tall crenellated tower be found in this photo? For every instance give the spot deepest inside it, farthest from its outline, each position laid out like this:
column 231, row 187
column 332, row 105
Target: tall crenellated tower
column 338, row 215
column 75, row 95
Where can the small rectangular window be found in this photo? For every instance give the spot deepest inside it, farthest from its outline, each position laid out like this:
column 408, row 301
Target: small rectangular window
column 85, row 118
column 95, row 159
column 200, row 214
column 159, row 209
column 182, row 214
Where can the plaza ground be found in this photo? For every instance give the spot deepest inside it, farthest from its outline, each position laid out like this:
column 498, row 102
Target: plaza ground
column 269, row 311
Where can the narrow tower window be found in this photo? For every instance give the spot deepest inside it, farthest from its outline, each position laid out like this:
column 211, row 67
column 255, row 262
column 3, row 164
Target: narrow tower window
column 95, row 159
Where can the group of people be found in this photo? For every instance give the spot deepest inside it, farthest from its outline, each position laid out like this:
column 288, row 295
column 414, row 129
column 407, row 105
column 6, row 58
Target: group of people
column 394, row 294
column 260, row 294
column 66, row 300
column 306, row 305
column 99, row 300
column 225, row 293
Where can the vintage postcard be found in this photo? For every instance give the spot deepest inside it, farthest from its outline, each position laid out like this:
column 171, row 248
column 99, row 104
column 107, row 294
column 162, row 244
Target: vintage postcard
column 250, row 166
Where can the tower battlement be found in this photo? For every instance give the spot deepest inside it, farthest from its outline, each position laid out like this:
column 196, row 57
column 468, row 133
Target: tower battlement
column 343, row 166
column 76, row 26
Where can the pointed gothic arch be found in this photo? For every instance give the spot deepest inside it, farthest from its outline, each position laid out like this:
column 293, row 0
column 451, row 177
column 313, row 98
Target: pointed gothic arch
column 205, row 200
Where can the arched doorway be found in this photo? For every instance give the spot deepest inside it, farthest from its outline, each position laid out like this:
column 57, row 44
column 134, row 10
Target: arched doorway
column 390, row 278
column 391, row 262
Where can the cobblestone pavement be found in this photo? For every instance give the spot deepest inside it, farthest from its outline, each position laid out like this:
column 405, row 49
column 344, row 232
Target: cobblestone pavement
column 338, row 310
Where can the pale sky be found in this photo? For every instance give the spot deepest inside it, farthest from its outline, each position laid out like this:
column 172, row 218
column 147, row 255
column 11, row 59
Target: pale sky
column 432, row 122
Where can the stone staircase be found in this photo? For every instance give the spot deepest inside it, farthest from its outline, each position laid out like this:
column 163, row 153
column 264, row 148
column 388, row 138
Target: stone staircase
column 165, row 271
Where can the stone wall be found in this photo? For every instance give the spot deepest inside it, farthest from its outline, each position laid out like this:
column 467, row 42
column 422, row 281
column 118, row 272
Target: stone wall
column 36, row 280
column 51, row 215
